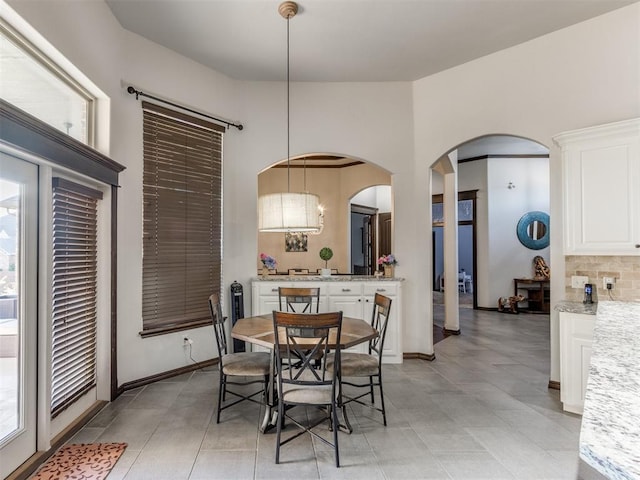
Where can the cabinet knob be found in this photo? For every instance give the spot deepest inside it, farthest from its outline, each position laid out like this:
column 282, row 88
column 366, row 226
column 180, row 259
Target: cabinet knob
column 637, row 245
column 346, row 289
column 381, row 289
column 367, row 300
column 359, row 299
column 274, row 289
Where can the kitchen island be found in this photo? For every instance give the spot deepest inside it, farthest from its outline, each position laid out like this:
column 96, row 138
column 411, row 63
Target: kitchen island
column 610, row 432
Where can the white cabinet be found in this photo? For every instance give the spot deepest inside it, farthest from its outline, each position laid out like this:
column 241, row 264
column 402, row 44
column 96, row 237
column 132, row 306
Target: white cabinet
column 268, row 299
column 347, row 298
column 601, row 179
column 576, row 338
column 354, row 298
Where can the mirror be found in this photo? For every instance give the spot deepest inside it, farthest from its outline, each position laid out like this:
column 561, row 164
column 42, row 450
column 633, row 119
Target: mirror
column 533, row 230
column 536, row 230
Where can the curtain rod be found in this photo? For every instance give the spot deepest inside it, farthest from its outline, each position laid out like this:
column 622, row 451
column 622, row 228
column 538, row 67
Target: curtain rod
column 132, row 90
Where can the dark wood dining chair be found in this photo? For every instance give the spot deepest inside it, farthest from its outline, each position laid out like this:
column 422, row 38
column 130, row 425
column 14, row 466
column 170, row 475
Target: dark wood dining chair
column 298, row 271
column 302, row 381
column 334, row 271
column 299, row 300
column 367, row 365
column 243, row 364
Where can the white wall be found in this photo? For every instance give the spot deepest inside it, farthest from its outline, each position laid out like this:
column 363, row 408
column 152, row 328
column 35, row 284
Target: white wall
column 375, row 197
column 587, row 74
column 568, row 79
column 343, row 115
column 507, row 257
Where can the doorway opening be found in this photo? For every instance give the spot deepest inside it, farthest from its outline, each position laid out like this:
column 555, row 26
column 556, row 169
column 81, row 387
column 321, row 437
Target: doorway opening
column 467, row 248
column 500, row 177
column 363, row 239
column 370, row 218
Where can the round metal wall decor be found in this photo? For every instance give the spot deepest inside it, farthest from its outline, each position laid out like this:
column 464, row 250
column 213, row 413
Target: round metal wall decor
column 533, row 230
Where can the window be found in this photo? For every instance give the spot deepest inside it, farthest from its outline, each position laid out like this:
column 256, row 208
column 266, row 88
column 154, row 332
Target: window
column 33, row 83
column 182, row 215
column 74, row 314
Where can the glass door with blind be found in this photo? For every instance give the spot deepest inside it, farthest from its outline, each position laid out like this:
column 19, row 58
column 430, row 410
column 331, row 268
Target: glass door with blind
column 18, row 312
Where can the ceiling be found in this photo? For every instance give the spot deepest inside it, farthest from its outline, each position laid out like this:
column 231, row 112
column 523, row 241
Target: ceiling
column 347, row 40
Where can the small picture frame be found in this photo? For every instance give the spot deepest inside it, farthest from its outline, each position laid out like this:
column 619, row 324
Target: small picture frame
column 295, row 242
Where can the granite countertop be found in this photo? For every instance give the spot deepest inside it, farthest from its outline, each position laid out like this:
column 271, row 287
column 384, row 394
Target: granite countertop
column 576, row 307
column 610, row 433
column 332, row 278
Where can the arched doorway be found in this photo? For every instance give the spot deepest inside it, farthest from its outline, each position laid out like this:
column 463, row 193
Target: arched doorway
column 509, row 176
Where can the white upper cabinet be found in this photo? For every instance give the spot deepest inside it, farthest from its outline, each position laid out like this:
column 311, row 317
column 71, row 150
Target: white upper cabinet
column 601, row 182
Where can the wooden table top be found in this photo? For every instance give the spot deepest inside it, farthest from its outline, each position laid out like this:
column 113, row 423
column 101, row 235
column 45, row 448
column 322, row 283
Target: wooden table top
column 259, row 331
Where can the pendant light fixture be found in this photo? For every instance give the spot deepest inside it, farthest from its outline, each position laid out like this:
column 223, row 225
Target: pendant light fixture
column 289, row 211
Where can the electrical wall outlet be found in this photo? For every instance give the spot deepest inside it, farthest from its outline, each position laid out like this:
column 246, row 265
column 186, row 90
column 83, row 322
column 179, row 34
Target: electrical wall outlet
column 578, row 281
column 607, row 282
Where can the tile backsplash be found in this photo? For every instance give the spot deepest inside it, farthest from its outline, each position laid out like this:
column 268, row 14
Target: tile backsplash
column 625, row 270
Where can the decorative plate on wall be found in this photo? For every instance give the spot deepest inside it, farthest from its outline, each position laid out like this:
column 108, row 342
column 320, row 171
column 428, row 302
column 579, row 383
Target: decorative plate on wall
column 533, row 230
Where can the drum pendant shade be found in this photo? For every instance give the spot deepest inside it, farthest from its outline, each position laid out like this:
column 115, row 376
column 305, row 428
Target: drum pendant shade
column 289, row 212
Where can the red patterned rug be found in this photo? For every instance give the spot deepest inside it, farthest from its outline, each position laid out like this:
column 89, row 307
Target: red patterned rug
column 87, row 461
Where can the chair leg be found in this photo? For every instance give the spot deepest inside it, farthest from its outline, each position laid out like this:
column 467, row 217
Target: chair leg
column 334, row 419
column 384, row 412
column 221, row 389
column 279, row 430
column 373, row 400
column 265, row 395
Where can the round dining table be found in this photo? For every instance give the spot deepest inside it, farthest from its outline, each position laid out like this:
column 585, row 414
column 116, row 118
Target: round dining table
column 258, row 330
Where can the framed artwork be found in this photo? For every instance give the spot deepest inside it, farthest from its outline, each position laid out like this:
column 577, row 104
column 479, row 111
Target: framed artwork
column 295, row 242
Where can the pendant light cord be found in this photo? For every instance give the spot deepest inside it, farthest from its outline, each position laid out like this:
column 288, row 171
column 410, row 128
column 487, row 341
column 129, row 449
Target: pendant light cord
column 288, row 119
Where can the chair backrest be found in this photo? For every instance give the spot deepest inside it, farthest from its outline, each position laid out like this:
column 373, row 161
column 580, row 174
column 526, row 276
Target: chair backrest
column 379, row 321
column 305, row 340
column 218, row 324
column 334, row 271
column 298, row 271
column 299, row 300
column 360, row 270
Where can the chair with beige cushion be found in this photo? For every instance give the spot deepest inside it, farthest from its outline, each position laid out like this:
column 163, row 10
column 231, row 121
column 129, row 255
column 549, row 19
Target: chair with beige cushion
column 303, row 338
column 368, row 365
column 244, row 364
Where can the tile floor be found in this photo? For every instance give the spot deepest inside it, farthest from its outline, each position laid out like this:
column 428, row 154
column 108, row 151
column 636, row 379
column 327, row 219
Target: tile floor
column 481, row 410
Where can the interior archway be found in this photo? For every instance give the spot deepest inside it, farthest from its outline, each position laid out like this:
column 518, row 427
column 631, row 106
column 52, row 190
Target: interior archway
column 335, row 179
column 509, row 176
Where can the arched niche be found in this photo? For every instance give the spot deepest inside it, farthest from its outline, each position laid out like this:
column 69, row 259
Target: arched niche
column 335, row 179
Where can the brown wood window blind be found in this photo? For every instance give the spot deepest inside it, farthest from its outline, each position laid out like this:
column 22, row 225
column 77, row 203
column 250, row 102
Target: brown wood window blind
column 74, row 314
column 182, row 215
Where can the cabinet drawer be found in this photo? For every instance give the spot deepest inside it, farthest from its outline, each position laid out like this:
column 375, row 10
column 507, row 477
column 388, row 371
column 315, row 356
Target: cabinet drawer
column 270, row 288
column 386, row 289
column 345, row 289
